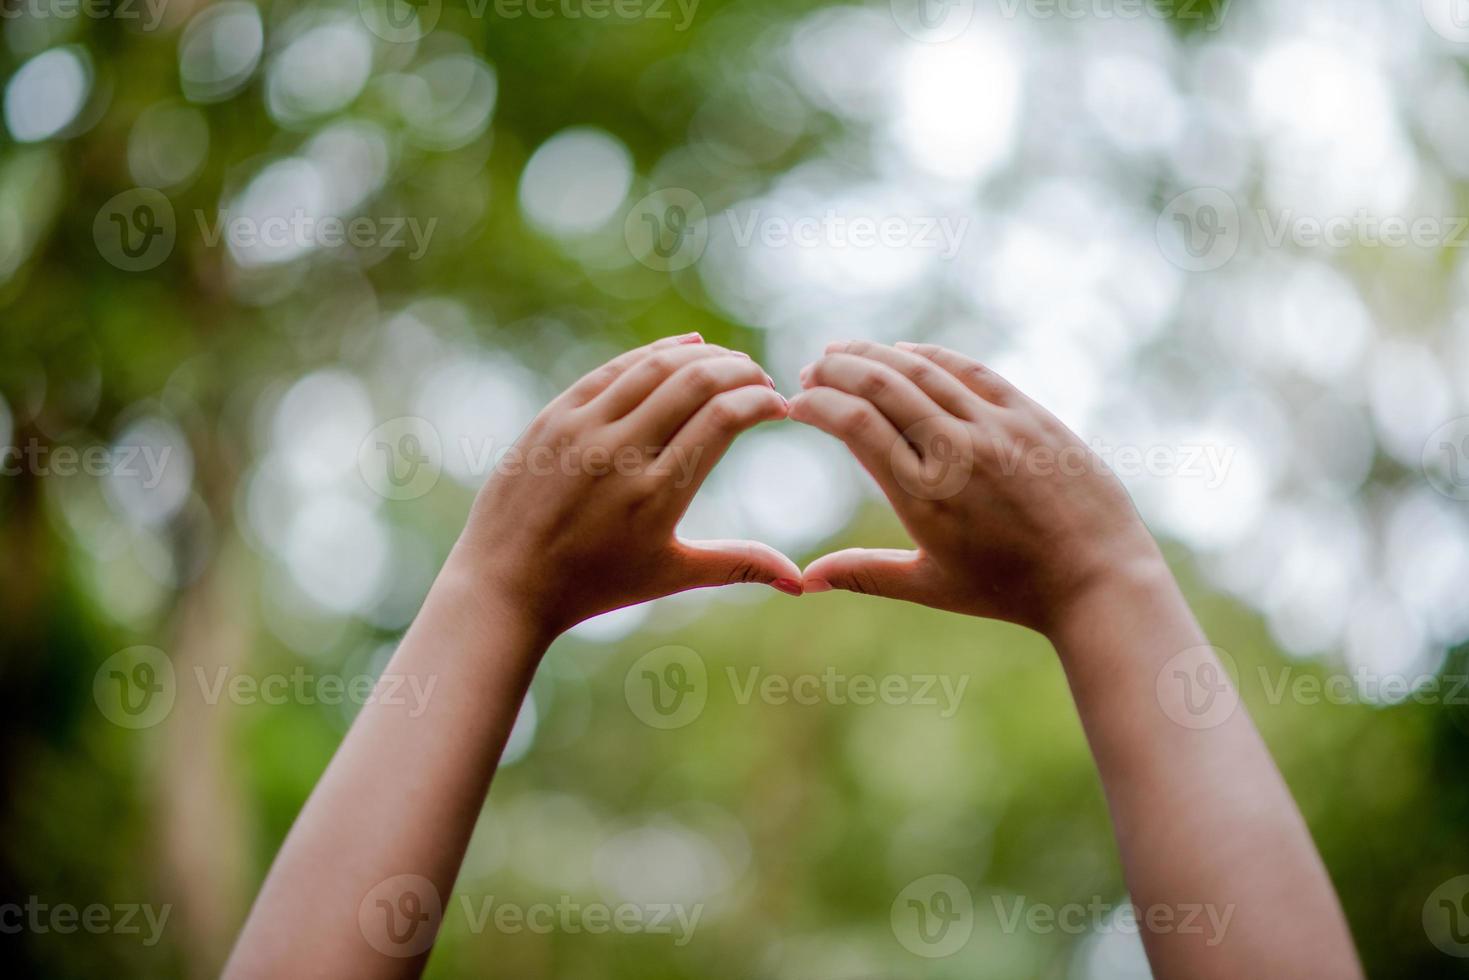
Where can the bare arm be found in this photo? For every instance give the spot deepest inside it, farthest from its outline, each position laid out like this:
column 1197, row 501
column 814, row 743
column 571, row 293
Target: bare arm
column 1016, row 519
column 580, row 520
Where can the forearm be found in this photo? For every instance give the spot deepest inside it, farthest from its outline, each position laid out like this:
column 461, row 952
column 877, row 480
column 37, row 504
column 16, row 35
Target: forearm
column 400, row 797
column 1205, row 823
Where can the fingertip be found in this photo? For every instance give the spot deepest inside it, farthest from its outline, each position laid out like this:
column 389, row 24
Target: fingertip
column 690, row 338
column 907, row 345
column 789, row 586
column 816, row 585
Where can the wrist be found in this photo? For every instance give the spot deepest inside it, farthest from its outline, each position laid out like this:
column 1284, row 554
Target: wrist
column 485, row 603
column 1133, row 579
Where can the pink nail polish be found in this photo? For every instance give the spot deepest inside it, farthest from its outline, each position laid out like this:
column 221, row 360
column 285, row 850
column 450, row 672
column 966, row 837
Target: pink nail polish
column 787, row 585
column 691, row 338
column 817, row 585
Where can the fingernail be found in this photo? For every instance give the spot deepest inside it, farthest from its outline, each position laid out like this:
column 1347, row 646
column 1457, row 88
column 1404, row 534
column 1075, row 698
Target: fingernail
column 837, row 345
column 770, row 381
column 787, row 585
column 691, row 338
column 783, row 403
column 817, row 585
column 905, row 345
column 805, row 373
column 740, row 353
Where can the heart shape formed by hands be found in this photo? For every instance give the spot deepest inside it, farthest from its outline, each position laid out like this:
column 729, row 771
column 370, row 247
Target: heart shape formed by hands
column 1010, row 511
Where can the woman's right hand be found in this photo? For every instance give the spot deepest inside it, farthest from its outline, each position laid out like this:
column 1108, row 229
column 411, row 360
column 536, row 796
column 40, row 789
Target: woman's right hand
column 579, row 518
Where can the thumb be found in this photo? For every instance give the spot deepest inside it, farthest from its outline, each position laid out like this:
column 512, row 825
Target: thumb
column 887, row 572
column 713, row 563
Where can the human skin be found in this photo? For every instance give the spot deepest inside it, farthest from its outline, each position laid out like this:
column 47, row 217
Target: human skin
column 1036, row 531
column 374, row 852
column 1201, row 813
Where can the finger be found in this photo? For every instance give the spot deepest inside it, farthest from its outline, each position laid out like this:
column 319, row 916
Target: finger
column 695, row 448
column 974, row 375
column 703, row 564
column 887, row 572
column 647, row 375
column 879, row 447
column 684, row 393
column 595, row 382
column 902, row 401
column 932, row 380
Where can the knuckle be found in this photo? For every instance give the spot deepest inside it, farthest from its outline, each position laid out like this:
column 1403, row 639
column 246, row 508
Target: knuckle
column 873, row 383
column 699, row 376
column 663, row 363
column 723, row 414
column 855, row 421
